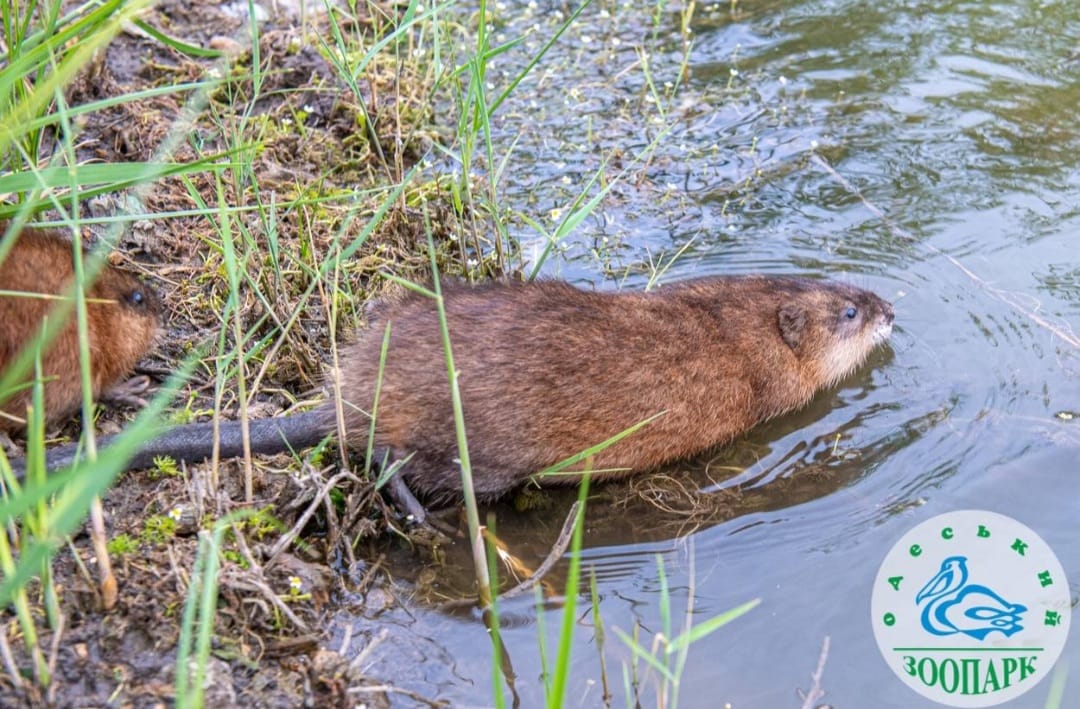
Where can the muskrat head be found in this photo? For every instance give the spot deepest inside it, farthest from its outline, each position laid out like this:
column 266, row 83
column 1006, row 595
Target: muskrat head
column 832, row 327
column 128, row 311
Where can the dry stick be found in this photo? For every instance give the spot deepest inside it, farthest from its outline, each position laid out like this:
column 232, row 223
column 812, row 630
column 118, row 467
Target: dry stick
column 9, row 662
column 816, row 692
column 1006, row 297
column 241, row 390
column 369, row 574
column 287, row 538
column 1010, row 299
column 347, row 521
column 245, row 550
column 197, row 492
column 345, row 640
column 335, row 380
column 54, row 654
column 356, row 662
column 553, row 556
column 334, row 524
column 108, row 585
column 215, row 451
column 368, row 689
column 820, row 162
column 80, row 565
column 250, row 583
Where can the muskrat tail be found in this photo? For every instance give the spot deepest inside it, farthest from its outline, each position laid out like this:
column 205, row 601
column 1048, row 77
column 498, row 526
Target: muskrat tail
column 193, row 443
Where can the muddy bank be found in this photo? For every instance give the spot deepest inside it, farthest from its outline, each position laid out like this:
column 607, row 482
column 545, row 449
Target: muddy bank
column 314, row 153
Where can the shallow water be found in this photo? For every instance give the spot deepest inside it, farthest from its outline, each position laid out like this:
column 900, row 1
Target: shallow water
column 929, row 151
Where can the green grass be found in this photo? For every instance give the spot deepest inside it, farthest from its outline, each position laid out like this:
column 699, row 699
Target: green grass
column 664, row 658
column 197, row 623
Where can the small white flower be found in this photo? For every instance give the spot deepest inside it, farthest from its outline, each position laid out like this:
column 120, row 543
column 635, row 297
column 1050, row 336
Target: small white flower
column 734, row 71
column 286, row 122
column 296, row 584
column 813, row 145
column 783, row 80
column 176, row 513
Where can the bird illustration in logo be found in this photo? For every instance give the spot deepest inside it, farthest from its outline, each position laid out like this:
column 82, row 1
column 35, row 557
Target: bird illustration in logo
column 954, row 606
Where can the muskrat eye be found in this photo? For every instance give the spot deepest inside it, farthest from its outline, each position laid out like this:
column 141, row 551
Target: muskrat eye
column 851, row 312
column 137, row 298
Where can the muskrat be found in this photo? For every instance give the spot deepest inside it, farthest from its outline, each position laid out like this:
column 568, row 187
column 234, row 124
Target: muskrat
column 121, row 320
column 548, row 370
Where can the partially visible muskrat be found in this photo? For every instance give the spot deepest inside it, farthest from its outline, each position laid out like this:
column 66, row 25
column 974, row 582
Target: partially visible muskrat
column 121, row 314
column 548, row 370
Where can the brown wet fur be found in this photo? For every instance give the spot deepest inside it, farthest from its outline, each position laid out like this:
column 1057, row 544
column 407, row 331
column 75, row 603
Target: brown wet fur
column 548, row 370
column 122, row 320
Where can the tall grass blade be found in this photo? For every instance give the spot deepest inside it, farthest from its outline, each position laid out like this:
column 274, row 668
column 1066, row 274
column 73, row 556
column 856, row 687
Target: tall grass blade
column 561, row 667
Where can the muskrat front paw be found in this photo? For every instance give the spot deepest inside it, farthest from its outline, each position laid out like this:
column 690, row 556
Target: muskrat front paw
column 127, row 393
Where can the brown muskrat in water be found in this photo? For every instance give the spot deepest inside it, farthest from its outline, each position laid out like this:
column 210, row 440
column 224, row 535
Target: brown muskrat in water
column 121, row 323
column 547, row 370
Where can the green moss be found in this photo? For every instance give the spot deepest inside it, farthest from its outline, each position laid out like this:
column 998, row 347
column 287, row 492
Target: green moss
column 122, row 544
column 158, row 529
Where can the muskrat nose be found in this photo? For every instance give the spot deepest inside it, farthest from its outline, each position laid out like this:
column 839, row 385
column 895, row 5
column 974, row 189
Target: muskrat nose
column 887, row 313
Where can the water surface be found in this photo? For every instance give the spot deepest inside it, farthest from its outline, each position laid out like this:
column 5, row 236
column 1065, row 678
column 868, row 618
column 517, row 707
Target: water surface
column 928, row 151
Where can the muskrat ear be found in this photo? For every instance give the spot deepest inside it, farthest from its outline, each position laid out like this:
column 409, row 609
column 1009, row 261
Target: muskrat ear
column 792, row 320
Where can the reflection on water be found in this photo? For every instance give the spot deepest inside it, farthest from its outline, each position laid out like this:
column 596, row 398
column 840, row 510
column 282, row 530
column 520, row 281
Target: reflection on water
column 794, row 129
